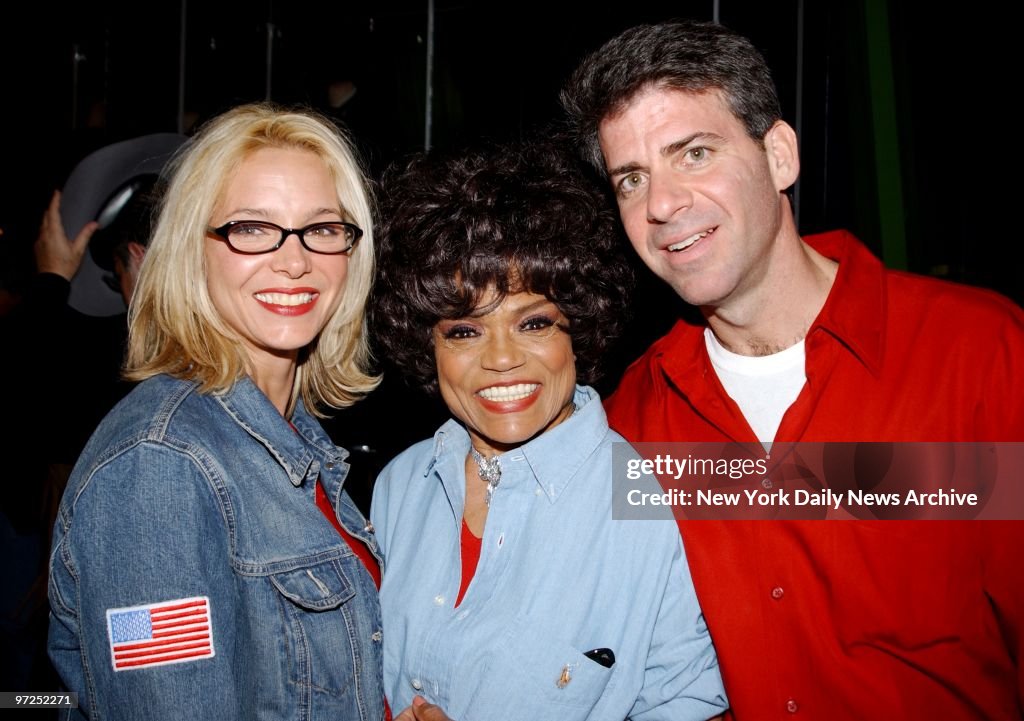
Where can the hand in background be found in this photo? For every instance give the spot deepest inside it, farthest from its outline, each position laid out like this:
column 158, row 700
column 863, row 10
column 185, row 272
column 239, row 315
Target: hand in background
column 54, row 252
column 422, row 711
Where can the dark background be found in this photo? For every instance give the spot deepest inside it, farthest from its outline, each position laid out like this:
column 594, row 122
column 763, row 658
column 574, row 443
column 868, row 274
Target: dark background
column 899, row 112
column 905, row 138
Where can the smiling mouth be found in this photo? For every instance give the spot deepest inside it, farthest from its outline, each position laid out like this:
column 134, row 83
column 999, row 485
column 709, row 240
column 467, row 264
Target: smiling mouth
column 504, row 394
column 684, row 244
column 287, row 299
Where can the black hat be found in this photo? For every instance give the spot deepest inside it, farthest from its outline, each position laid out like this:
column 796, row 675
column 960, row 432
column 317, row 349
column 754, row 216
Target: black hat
column 125, row 217
column 98, row 188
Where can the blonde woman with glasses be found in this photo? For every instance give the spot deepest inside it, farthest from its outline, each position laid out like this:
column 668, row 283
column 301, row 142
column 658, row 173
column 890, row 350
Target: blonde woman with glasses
column 207, row 562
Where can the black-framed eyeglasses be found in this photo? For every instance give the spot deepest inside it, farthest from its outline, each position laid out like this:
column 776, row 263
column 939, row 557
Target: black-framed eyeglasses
column 253, row 237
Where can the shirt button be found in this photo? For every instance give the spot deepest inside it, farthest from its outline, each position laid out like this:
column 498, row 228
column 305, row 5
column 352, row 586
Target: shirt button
column 417, row 684
column 330, row 465
column 438, row 600
column 792, row 706
column 766, row 483
column 778, row 593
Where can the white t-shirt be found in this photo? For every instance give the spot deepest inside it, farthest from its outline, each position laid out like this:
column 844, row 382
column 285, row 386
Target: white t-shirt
column 762, row 386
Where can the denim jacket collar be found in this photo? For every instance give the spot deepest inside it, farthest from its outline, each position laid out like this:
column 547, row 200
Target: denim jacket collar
column 252, row 410
column 553, row 457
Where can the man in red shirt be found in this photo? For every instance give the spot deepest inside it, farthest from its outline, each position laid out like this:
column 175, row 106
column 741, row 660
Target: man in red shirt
column 806, row 339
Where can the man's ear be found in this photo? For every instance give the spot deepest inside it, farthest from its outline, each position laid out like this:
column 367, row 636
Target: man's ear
column 783, row 155
column 136, row 251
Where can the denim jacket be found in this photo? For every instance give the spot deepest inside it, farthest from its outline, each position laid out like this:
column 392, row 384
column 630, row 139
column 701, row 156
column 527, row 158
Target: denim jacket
column 192, row 576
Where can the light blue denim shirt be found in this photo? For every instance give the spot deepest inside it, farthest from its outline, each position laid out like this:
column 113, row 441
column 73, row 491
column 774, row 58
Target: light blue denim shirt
column 200, row 508
column 556, row 578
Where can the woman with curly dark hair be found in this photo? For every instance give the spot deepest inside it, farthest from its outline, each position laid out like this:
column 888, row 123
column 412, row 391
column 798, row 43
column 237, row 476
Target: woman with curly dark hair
column 509, row 591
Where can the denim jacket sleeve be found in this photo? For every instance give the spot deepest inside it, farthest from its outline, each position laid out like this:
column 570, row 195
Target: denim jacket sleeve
column 143, row 528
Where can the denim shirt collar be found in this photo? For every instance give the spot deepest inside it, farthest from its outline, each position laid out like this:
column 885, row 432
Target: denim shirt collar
column 553, row 457
column 254, row 412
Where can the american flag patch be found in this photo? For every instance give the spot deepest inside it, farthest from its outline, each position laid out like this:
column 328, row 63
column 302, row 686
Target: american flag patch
column 160, row 633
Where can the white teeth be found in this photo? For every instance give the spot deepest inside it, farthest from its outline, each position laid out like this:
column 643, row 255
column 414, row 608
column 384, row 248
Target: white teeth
column 508, row 393
column 285, row 298
column 683, row 245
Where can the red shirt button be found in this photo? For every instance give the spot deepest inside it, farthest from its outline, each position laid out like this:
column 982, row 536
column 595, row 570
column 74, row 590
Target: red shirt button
column 778, row 593
column 792, row 706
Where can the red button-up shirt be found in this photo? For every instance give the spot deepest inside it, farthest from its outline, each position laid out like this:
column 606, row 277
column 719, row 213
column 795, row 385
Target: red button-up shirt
column 860, row 619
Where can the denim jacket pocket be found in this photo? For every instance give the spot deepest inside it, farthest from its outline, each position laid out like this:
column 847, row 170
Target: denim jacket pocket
column 322, row 614
column 317, row 587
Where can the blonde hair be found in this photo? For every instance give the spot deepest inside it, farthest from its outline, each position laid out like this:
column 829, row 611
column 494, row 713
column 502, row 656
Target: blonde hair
column 173, row 325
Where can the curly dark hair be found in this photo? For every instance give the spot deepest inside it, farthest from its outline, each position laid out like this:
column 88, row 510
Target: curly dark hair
column 685, row 55
column 526, row 217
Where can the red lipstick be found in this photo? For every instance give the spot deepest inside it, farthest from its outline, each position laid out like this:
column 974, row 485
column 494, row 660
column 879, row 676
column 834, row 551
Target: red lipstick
column 267, row 299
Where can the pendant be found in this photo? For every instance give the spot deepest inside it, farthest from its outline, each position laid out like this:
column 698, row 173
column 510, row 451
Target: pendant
column 489, row 470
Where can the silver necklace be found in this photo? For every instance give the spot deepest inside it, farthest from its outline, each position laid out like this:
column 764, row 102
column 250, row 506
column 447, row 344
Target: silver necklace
column 489, row 470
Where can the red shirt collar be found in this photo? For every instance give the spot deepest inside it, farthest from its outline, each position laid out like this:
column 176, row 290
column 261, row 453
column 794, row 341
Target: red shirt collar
column 854, row 312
